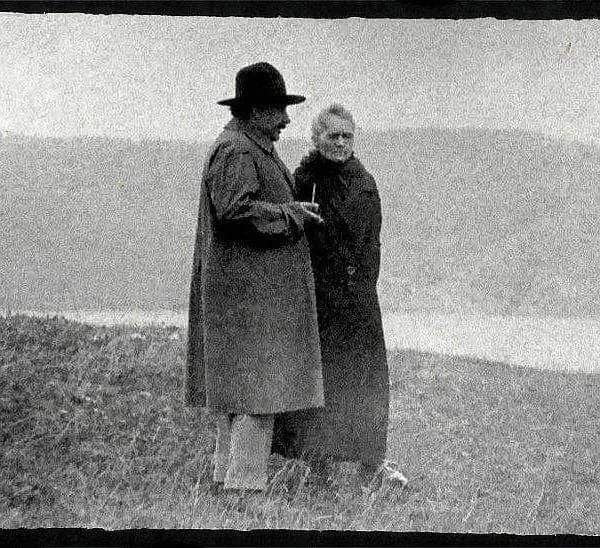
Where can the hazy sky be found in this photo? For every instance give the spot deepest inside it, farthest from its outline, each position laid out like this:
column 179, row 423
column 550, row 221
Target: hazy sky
column 157, row 76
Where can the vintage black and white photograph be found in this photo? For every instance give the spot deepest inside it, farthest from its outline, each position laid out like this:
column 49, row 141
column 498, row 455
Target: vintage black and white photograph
column 298, row 273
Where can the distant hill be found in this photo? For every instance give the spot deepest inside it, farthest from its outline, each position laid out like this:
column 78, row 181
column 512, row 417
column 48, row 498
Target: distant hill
column 503, row 222
column 496, row 221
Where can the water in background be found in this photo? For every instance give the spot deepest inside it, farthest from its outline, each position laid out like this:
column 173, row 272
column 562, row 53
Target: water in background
column 568, row 344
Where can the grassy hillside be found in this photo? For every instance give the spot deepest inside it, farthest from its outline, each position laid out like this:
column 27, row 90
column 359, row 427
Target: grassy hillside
column 95, row 435
column 479, row 220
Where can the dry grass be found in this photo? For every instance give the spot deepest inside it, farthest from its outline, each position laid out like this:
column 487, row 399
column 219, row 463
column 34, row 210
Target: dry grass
column 94, row 434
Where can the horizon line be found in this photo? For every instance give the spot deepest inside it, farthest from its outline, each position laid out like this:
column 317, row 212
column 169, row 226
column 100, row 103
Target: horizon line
column 155, row 138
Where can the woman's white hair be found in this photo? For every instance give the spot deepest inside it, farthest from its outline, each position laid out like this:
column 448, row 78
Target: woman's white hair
column 320, row 122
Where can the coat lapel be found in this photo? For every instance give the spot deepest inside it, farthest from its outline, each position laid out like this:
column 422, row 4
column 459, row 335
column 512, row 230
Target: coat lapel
column 356, row 180
column 269, row 151
column 284, row 170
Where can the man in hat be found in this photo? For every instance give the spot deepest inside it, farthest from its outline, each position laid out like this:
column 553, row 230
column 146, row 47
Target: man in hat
column 253, row 348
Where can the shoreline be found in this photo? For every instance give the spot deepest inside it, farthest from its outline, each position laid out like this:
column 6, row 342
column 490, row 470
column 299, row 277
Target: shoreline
column 547, row 343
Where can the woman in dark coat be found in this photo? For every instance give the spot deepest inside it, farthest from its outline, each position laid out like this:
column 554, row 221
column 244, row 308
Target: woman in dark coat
column 345, row 255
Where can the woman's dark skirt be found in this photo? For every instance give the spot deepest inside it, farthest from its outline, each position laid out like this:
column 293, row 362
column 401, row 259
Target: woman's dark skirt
column 353, row 424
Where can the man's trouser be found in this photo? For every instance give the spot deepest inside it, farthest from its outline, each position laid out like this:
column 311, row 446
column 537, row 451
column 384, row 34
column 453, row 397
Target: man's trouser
column 242, row 450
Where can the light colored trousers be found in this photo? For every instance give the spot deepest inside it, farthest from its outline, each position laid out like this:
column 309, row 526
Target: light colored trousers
column 242, row 450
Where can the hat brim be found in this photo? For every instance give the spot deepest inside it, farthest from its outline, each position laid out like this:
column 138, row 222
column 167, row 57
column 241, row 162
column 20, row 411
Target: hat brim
column 282, row 100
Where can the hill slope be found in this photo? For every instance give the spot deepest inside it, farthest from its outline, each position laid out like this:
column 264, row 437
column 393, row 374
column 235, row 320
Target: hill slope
column 98, row 437
column 503, row 222
column 478, row 220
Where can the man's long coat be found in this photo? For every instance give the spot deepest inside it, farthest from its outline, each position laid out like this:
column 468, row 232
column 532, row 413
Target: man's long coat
column 253, row 342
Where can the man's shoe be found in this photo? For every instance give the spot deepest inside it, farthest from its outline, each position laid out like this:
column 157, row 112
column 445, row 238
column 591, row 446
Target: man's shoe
column 319, row 474
column 216, row 487
column 243, row 500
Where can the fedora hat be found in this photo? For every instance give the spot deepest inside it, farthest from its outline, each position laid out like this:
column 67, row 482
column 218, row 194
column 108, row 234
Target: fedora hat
column 260, row 84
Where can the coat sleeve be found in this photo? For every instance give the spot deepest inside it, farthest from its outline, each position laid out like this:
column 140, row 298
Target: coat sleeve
column 366, row 235
column 233, row 189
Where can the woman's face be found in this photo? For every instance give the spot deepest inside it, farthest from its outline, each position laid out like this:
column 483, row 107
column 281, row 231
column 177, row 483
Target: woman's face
column 336, row 141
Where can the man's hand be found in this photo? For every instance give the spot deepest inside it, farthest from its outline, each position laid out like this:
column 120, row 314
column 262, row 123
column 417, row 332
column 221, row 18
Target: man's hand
column 308, row 212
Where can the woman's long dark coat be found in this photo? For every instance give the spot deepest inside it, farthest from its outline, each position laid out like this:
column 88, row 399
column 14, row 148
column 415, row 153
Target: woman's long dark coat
column 345, row 256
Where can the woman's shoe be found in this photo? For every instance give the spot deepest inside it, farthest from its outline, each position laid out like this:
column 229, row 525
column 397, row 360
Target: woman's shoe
column 391, row 475
column 387, row 473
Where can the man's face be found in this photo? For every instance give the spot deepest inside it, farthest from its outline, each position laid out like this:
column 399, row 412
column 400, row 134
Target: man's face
column 336, row 141
column 270, row 120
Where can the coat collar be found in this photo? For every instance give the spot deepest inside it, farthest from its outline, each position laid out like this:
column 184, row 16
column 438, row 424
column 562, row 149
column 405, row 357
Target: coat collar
column 265, row 144
column 255, row 136
column 351, row 173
